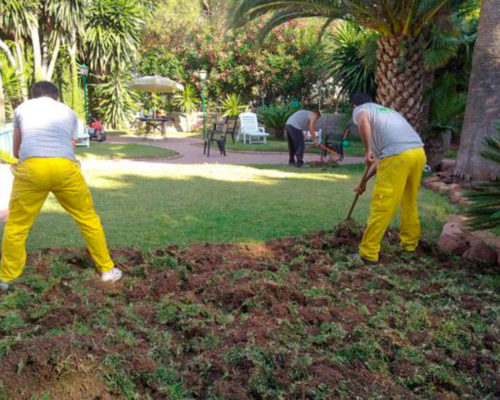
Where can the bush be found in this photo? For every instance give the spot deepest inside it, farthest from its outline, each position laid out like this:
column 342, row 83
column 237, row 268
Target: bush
column 186, row 101
column 274, row 117
column 485, row 211
column 232, row 106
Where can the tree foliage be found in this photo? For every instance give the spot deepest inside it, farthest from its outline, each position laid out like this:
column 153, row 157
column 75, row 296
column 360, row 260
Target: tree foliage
column 485, row 211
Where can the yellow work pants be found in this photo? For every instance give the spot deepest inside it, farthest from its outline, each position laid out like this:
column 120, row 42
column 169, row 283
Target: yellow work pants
column 34, row 178
column 398, row 180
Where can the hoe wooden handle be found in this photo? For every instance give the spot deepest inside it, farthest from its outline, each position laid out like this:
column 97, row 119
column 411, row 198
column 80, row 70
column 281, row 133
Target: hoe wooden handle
column 364, row 179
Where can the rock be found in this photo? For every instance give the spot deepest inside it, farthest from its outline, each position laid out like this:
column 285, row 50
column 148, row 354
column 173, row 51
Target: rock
column 448, row 164
column 432, row 178
column 453, row 238
column 457, row 195
column 453, row 244
column 438, row 186
column 481, row 252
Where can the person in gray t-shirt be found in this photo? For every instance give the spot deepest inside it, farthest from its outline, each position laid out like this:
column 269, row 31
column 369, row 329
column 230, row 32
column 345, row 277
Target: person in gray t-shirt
column 44, row 137
column 391, row 142
column 302, row 120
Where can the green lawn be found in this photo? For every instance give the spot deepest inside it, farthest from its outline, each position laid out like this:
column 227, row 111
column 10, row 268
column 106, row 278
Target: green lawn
column 106, row 151
column 149, row 208
column 355, row 149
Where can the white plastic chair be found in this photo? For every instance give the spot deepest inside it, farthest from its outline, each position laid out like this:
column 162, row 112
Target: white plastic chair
column 250, row 129
column 83, row 136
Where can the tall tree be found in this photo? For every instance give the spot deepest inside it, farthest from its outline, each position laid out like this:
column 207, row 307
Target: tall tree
column 404, row 28
column 57, row 20
column 16, row 17
column 483, row 103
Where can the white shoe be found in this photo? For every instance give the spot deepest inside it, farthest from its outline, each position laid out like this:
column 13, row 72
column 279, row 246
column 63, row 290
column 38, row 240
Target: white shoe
column 4, row 285
column 111, row 276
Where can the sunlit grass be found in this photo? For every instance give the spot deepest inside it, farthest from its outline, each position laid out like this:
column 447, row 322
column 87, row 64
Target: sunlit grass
column 149, row 207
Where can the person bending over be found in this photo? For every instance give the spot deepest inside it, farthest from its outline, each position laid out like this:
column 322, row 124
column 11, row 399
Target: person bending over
column 302, row 120
column 45, row 133
column 390, row 140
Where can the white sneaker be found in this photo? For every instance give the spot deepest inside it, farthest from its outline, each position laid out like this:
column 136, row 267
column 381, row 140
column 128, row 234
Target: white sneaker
column 4, row 285
column 111, row 276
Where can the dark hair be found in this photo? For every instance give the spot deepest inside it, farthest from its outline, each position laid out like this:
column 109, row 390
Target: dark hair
column 358, row 99
column 44, row 88
column 316, row 111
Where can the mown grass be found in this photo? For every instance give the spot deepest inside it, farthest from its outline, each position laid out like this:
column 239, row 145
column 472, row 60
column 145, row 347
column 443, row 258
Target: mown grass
column 107, row 151
column 148, row 206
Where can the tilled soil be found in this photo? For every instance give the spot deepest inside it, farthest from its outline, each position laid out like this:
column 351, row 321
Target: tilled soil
column 293, row 318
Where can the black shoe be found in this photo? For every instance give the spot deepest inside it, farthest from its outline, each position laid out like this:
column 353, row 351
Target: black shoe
column 357, row 258
column 368, row 262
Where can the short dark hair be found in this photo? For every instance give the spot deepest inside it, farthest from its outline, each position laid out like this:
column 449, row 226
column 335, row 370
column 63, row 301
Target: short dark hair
column 44, row 88
column 358, row 99
column 316, row 111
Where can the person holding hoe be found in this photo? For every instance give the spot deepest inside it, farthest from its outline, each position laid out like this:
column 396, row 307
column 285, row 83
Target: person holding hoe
column 45, row 133
column 391, row 142
column 302, row 120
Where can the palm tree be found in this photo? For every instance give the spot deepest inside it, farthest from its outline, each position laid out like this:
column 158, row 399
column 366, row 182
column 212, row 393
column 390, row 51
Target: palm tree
column 483, row 102
column 112, row 33
column 16, row 16
column 57, row 21
column 403, row 26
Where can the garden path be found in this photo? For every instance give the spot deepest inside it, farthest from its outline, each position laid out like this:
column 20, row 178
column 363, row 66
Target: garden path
column 191, row 152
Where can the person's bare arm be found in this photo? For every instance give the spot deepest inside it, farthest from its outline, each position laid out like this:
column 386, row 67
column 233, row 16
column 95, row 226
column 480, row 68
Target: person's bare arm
column 17, row 142
column 312, row 127
column 365, row 130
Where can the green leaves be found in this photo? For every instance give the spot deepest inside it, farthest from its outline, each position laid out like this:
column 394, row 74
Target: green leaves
column 186, row 101
column 116, row 100
column 485, row 211
column 233, row 105
column 275, row 117
column 112, row 33
column 352, row 59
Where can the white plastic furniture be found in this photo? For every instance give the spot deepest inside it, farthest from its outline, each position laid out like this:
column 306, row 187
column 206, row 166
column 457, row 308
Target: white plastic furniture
column 250, row 129
column 83, row 135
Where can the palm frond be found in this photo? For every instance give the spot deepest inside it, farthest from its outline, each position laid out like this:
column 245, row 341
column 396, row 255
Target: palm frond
column 485, row 209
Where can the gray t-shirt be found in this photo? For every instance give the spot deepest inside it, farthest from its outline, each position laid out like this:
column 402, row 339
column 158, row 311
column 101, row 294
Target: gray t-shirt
column 300, row 120
column 391, row 132
column 48, row 128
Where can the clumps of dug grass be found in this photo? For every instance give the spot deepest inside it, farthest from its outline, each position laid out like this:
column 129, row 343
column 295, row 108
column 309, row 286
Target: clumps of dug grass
column 288, row 319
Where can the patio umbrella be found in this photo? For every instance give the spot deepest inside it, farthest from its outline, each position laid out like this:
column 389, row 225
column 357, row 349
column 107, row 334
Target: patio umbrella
column 155, row 84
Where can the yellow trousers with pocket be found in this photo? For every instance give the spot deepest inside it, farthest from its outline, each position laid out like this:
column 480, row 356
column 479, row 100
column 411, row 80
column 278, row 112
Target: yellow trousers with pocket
column 34, row 178
column 397, row 182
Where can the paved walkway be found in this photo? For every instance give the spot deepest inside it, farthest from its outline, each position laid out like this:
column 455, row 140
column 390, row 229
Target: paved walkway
column 191, row 152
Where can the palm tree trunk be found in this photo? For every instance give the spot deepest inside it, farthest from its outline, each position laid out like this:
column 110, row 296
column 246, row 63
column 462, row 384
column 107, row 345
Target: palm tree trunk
column 2, row 103
column 400, row 77
column 53, row 59
column 483, row 102
column 75, row 87
column 7, row 51
column 20, row 64
column 37, row 54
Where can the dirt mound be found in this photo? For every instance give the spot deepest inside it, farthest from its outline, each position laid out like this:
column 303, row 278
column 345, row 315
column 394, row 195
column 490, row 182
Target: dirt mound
column 292, row 318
